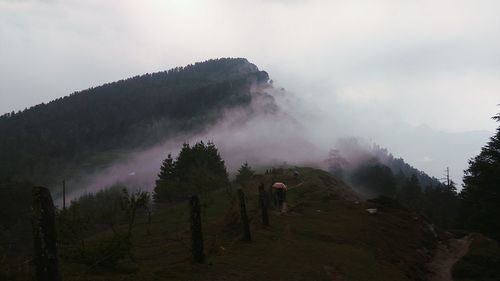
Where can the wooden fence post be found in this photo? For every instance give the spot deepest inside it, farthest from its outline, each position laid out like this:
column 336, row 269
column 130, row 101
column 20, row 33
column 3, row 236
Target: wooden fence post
column 196, row 233
column 44, row 236
column 244, row 217
column 64, row 194
column 263, row 205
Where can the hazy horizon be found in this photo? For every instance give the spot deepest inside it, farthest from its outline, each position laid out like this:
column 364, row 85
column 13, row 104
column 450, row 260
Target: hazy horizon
column 388, row 72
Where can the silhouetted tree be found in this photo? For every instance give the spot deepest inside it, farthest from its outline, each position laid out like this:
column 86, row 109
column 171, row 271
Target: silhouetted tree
column 245, row 173
column 374, row 179
column 410, row 193
column 131, row 203
column 166, row 177
column 481, row 193
column 198, row 169
column 440, row 204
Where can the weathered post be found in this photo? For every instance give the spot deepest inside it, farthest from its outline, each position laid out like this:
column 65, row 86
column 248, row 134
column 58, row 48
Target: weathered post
column 44, row 236
column 244, row 217
column 196, row 234
column 263, row 205
column 64, row 194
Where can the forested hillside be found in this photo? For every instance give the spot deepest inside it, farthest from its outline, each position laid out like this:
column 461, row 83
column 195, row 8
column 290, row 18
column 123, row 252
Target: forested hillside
column 128, row 231
column 350, row 153
column 128, row 113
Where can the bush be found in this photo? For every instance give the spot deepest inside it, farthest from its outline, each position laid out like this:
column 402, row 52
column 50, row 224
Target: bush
column 98, row 212
column 103, row 253
column 481, row 263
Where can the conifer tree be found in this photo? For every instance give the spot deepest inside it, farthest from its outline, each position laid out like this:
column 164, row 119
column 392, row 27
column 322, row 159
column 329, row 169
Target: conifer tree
column 410, row 193
column 245, row 173
column 374, row 179
column 165, row 178
column 481, row 193
column 198, row 169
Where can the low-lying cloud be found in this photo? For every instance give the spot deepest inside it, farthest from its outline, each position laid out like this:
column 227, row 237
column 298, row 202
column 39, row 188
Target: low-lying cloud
column 279, row 127
column 418, row 77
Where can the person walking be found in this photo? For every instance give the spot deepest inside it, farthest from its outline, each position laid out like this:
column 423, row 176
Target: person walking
column 280, row 189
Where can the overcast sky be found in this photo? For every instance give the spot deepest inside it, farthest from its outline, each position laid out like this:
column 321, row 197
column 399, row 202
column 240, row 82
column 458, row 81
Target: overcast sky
column 367, row 68
column 432, row 62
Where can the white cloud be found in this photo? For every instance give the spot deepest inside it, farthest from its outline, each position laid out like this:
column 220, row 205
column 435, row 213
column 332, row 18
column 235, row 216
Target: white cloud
column 61, row 46
column 367, row 68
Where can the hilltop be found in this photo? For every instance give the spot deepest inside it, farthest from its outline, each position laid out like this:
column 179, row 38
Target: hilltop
column 112, row 131
column 47, row 141
column 327, row 234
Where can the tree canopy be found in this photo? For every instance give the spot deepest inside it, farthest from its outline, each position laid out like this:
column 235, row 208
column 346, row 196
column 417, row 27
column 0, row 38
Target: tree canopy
column 245, row 172
column 198, row 169
column 374, row 179
column 481, row 192
column 410, row 192
column 39, row 143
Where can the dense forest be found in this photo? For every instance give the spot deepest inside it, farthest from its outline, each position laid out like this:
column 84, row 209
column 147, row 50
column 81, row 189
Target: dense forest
column 373, row 171
column 481, row 193
column 351, row 153
column 104, row 230
column 49, row 137
column 49, row 142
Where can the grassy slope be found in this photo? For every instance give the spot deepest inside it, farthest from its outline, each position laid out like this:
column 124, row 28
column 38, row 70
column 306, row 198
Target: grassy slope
column 481, row 263
column 325, row 236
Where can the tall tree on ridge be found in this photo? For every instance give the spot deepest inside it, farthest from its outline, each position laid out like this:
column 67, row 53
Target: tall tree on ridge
column 481, row 193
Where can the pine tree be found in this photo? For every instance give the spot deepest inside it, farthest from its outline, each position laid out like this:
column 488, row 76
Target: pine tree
column 410, row 194
column 165, row 179
column 198, row 169
column 245, row 173
column 374, row 179
column 167, row 168
column 481, row 193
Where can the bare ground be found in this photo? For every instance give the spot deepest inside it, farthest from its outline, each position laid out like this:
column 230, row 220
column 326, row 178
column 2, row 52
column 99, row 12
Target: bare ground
column 446, row 256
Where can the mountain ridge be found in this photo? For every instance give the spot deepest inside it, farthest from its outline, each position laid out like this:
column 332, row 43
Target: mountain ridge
column 99, row 118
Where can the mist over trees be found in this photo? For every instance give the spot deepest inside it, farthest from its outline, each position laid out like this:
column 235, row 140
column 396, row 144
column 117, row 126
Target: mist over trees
column 89, row 129
column 42, row 144
column 245, row 173
column 350, row 153
column 374, row 179
column 373, row 172
column 98, row 120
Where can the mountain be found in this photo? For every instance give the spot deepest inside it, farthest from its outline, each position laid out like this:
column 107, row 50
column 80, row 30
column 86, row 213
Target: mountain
column 432, row 150
column 46, row 141
column 118, row 134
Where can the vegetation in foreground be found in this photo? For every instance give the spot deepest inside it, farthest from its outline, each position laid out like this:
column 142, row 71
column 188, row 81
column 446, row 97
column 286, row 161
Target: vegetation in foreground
column 482, row 261
column 327, row 232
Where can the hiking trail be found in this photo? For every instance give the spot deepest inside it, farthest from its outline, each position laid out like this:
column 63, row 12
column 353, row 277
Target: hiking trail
column 446, row 256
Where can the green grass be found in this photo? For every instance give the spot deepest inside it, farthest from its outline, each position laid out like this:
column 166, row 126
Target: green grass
column 481, row 263
column 325, row 236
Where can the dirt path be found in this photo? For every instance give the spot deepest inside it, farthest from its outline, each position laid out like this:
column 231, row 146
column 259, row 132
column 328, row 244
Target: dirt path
column 446, row 256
